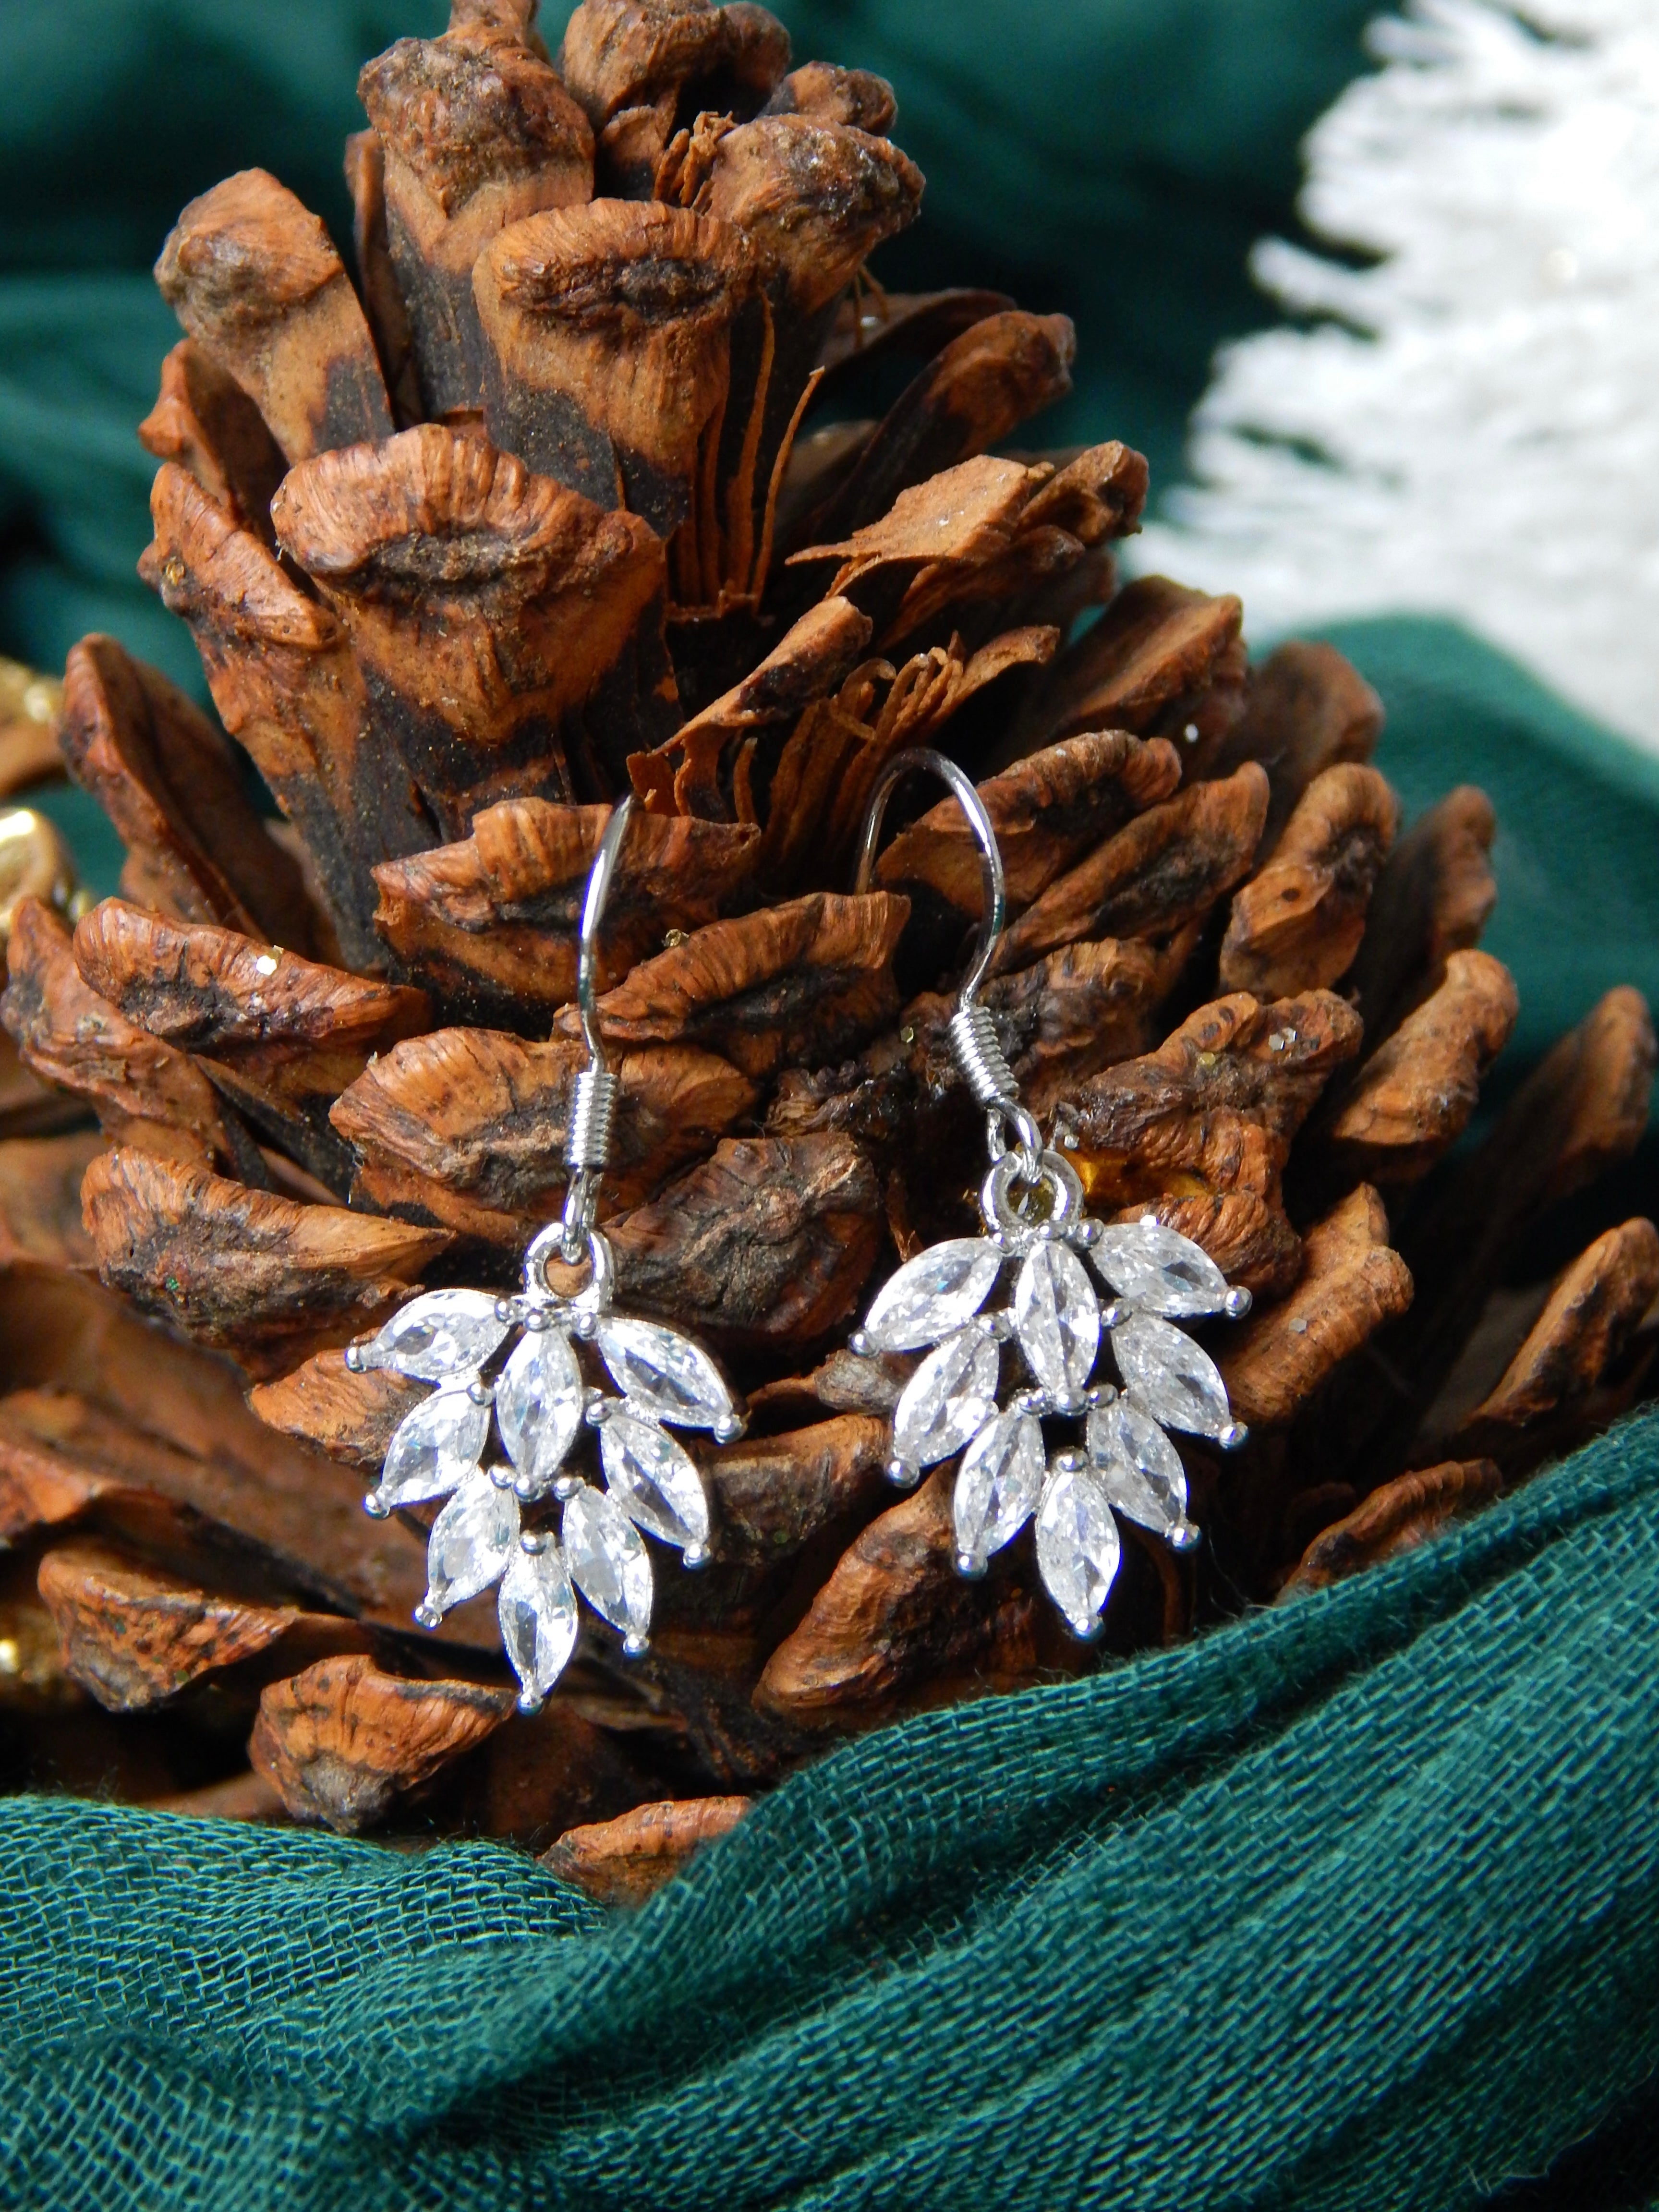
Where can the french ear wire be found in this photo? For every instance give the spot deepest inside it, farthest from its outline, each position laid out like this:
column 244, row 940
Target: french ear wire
column 975, row 1044
column 1116, row 1458
column 519, row 1408
column 593, row 1102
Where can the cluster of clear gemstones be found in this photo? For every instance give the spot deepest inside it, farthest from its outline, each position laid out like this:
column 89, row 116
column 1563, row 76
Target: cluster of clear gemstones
column 1056, row 1322
column 537, row 1405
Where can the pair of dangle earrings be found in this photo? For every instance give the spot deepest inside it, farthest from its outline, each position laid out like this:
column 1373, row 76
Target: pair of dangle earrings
column 509, row 1366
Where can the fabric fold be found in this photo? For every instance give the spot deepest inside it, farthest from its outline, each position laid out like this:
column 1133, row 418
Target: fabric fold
column 1273, row 1918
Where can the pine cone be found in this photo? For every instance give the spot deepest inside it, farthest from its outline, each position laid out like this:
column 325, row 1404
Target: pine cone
column 524, row 519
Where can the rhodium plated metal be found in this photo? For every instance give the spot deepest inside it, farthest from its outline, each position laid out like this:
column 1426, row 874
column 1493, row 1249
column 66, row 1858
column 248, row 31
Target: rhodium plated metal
column 594, row 1107
column 974, row 1042
column 509, row 1376
column 1117, row 1461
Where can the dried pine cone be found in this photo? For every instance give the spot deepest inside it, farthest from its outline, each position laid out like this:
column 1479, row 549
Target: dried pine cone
column 524, row 518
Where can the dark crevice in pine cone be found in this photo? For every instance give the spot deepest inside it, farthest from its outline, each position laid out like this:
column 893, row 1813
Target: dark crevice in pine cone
column 543, row 506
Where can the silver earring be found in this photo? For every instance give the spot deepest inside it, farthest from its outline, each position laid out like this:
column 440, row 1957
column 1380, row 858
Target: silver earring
column 1031, row 1205
column 535, row 1405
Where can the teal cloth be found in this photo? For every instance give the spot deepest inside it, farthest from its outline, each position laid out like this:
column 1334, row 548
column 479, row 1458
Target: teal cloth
column 1348, row 1905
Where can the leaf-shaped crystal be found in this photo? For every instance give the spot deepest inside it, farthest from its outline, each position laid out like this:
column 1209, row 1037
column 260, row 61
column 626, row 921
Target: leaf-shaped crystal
column 538, row 1618
column 663, row 1374
column 1077, row 1544
column 654, row 1480
column 1169, row 1376
column 433, row 1450
column 1138, row 1467
column 472, row 1539
column 607, row 1560
column 998, row 1485
column 949, row 1398
column 441, row 1333
column 937, row 1293
column 1057, row 1316
column 538, row 1406
column 1159, row 1270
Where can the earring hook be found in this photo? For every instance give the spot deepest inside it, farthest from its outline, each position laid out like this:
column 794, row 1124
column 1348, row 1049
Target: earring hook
column 978, row 1055
column 599, row 874
column 593, row 1102
column 993, row 884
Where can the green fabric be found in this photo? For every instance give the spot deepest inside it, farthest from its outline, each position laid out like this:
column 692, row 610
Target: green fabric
column 116, row 113
column 1348, row 1905
column 1577, row 856
column 1116, row 159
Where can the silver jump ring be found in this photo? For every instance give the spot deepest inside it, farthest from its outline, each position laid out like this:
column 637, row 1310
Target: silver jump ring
column 550, row 1243
column 1027, row 1145
column 1054, row 1173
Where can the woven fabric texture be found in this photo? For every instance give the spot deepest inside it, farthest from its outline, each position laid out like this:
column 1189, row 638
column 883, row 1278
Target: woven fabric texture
column 1349, row 1906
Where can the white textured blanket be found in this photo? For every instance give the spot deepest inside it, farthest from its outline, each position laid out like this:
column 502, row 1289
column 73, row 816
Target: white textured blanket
column 1470, row 424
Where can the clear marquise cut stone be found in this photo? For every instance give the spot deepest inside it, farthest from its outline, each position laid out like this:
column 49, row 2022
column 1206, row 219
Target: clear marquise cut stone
column 653, row 1480
column 433, row 1450
column 539, row 1404
column 1140, row 1468
column 931, row 1295
column 441, row 1333
column 539, row 1617
column 607, row 1560
column 1160, row 1270
column 472, row 1539
column 663, row 1374
column 998, row 1484
column 1077, row 1545
column 949, row 1398
column 1169, row 1376
column 1057, row 1316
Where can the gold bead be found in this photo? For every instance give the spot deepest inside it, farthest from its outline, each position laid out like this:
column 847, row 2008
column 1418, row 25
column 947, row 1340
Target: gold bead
column 35, row 863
